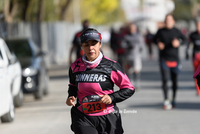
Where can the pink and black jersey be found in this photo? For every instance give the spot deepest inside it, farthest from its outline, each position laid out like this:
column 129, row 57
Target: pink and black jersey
column 99, row 80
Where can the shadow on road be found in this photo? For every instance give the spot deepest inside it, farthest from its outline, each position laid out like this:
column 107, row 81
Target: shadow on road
column 156, row 76
column 188, row 105
column 180, row 105
column 59, row 77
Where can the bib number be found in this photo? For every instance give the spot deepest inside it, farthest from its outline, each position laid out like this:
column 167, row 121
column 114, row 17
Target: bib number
column 93, row 107
column 171, row 63
column 91, row 104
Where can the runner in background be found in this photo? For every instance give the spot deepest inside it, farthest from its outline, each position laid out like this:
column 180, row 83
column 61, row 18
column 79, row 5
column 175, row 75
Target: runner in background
column 92, row 78
column 133, row 43
column 149, row 42
column 76, row 42
column 116, row 44
column 194, row 37
column 168, row 40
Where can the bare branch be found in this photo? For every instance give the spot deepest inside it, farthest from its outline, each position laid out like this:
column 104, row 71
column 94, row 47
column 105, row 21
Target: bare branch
column 64, row 9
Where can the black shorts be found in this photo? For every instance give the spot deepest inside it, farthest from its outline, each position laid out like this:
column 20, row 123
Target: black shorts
column 105, row 124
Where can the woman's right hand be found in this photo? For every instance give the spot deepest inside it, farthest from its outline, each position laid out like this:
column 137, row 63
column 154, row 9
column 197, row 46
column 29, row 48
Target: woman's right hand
column 161, row 45
column 71, row 101
column 175, row 43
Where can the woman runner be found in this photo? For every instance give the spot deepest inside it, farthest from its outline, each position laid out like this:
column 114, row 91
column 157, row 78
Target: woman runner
column 92, row 78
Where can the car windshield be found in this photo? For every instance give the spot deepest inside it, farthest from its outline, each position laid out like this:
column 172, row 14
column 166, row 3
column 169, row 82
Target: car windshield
column 20, row 47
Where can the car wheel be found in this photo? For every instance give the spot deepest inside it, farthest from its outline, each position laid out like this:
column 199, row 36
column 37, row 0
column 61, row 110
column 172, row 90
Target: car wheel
column 18, row 99
column 39, row 93
column 46, row 90
column 9, row 117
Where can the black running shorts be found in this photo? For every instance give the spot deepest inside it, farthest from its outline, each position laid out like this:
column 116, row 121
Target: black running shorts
column 106, row 124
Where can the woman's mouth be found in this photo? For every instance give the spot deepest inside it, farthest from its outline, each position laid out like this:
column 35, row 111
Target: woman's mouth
column 91, row 53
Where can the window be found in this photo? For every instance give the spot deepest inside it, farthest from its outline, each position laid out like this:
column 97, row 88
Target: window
column 21, row 48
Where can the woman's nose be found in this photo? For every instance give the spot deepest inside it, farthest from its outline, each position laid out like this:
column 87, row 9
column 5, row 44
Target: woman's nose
column 91, row 46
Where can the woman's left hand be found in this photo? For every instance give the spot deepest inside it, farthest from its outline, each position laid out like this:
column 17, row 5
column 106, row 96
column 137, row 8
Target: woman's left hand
column 175, row 43
column 105, row 99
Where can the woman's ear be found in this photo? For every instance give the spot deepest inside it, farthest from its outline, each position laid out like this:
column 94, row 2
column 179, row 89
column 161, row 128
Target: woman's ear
column 100, row 43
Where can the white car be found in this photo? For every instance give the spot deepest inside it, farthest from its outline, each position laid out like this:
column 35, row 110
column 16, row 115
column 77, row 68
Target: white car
column 11, row 94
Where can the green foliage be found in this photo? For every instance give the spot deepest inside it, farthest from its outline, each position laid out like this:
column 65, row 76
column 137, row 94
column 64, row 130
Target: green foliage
column 183, row 10
column 100, row 11
column 97, row 11
column 1, row 5
column 51, row 12
column 32, row 10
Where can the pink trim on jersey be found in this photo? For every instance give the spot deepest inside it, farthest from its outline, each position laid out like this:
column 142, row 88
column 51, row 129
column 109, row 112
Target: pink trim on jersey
column 86, row 89
column 72, row 85
column 109, row 59
column 78, row 65
column 197, row 72
column 121, row 80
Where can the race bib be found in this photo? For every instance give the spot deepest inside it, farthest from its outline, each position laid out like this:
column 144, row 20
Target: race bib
column 91, row 104
column 171, row 63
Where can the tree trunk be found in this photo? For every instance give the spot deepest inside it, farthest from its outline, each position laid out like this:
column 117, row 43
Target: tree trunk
column 25, row 9
column 9, row 12
column 40, row 16
column 64, row 9
column 28, row 11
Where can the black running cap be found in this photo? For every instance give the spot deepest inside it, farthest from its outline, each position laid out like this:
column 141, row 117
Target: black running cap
column 90, row 34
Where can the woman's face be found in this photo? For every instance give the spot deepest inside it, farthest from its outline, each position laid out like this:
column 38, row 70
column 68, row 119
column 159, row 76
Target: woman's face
column 132, row 28
column 169, row 22
column 91, row 49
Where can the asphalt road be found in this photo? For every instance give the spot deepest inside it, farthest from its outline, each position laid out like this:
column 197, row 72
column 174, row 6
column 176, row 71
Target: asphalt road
column 141, row 114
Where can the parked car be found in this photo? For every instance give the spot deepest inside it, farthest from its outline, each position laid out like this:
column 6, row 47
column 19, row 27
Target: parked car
column 35, row 77
column 11, row 94
column 7, row 113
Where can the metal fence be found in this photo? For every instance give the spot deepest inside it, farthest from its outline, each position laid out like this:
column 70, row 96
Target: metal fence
column 54, row 38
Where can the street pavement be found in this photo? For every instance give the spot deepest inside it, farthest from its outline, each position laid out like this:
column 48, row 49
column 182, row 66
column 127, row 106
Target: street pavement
column 141, row 114
column 150, row 117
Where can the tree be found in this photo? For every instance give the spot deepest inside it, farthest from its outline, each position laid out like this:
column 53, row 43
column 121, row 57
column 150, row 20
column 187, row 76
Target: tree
column 24, row 7
column 186, row 9
column 64, row 6
column 10, row 9
column 97, row 11
column 100, row 11
column 43, row 10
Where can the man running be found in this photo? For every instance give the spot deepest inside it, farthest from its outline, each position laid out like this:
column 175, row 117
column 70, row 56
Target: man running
column 76, row 42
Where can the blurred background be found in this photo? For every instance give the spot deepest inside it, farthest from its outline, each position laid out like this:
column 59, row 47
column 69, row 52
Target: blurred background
column 52, row 23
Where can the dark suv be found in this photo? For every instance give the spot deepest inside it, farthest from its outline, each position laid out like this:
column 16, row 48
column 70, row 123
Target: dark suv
column 34, row 74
